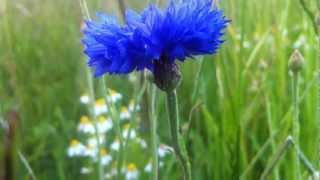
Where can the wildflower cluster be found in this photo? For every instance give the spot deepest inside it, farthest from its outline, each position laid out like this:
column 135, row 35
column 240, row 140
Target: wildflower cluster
column 98, row 139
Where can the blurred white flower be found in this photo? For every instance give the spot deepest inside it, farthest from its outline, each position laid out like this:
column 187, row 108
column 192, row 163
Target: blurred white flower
column 91, row 151
column 85, row 170
column 100, row 107
column 246, row 44
column 86, row 125
column 142, row 142
column 133, row 106
column 76, row 148
column 124, row 113
column 126, row 130
column 301, row 41
column 148, row 167
column 104, row 124
column 112, row 173
column 93, row 141
column 84, row 99
column 163, row 150
column 106, row 158
column 114, row 96
column 115, row 145
column 132, row 172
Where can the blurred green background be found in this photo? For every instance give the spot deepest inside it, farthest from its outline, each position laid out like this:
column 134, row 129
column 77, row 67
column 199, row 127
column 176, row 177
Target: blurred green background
column 245, row 89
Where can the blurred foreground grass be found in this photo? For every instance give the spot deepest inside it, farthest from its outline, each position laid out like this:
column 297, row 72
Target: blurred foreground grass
column 245, row 89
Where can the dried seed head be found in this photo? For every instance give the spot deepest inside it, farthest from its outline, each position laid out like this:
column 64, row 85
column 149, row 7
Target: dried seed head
column 296, row 61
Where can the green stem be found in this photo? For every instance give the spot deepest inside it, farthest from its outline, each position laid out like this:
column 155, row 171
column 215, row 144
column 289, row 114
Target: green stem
column 277, row 157
column 116, row 121
column 177, row 140
column 154, row 139
column 270, row 126
column 296, row 124
column 86, row 15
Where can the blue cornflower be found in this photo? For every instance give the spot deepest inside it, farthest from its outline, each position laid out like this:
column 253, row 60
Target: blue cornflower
column 184, row 29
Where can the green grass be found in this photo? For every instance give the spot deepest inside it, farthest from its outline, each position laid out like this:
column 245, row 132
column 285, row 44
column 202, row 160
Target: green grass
column 245, row 89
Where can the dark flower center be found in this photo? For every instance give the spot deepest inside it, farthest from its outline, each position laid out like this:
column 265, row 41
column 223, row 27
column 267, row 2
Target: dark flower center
column 167, row 75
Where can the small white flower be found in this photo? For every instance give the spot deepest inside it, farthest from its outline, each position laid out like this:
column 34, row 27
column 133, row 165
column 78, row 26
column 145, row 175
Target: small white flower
column 112, row 173
column 114, row 96
column 86, row 125
column 106, row 158
column 91, row 151
column 85, row 170
column 300, row 42
column 93, row 141
column 143, row 143
column 104, row 124
column 126, row 130
column 84, row 99
column 76, row 148
column 124, row 113
column 132, row 172
column 133, row 106
column 246, row 44
column 100, row 107
column 163, row 150
column 115, row 145
column 148, row 168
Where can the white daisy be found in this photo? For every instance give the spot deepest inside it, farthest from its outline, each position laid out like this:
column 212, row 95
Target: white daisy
column 100, row 107
column 115, row 145
column 84, row 99
column 85, row 170
column 93, row 141
column 91, row 151
column 76, row 148
column 106, row 158
column 148, row 167
column 104, row 124
column 114, row 96
column 142, row 142
column 112, row 173
column 86, row 125
column 132, row 172
column 163, row 150
column 126, row 131
column 133, row 106
column 124, row 113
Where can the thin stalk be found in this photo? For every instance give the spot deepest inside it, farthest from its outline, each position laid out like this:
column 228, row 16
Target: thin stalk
column 86, row 15
column 310, row 15
column 177, row 140
column 154, row 138
column 136, row 101
column 296, row 123
column 122, row 8
column 318, row 93
column 27, row 165
column 277, row 157
column 271, row 132
column 116, row 121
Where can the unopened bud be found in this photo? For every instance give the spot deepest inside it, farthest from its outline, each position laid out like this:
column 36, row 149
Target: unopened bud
column 296, row 61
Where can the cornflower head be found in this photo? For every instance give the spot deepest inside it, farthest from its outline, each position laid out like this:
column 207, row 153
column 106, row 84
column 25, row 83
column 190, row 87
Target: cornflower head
column 154, row 39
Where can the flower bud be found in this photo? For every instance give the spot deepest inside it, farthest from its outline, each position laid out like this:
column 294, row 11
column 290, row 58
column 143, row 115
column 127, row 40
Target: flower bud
column 296, row 61
column 167, row 75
